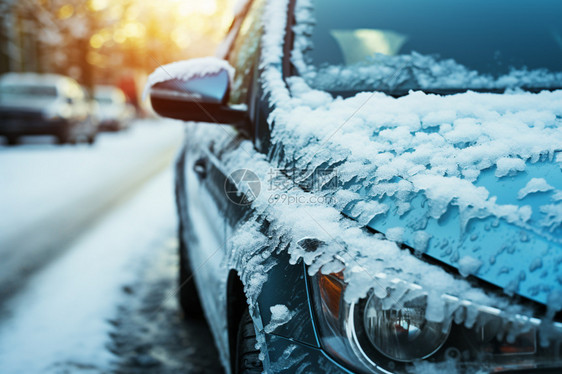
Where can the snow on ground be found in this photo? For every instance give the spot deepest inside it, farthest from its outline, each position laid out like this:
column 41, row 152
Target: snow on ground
column 61, row 320
column 150, row 335
column 48, row 192
column 65, row 173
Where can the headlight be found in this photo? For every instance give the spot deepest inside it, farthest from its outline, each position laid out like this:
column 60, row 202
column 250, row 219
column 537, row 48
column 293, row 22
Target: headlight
column 401, row 332
column 377, row 335
column 56, row 113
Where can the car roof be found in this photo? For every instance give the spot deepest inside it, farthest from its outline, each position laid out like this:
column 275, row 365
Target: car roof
column 64, row 85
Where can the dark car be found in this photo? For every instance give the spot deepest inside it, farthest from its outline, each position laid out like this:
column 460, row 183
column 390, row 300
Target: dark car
column 44, row 104
column 388, row 195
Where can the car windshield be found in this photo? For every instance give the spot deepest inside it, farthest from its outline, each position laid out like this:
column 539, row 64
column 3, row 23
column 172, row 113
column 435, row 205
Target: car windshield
column 432, row 45
column 28, row 90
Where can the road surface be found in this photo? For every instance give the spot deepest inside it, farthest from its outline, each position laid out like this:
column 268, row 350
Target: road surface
column 89, row 239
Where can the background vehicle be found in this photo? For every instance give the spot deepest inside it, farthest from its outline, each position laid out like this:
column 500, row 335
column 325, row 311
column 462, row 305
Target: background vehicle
column 37, row 104
column 114, row 112
column 461, row 253
column 92, row 108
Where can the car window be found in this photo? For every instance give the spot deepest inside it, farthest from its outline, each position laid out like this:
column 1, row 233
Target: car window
column 430, row 44
column 28, row 90
column 244, row 53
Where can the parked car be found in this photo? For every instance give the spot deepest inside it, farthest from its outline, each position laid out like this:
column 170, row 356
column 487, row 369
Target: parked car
column 114, row 112
column 371, row 207
column 44, row 104
column 92, row 108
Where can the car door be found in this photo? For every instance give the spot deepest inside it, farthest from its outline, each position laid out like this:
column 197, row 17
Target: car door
column 206, row 184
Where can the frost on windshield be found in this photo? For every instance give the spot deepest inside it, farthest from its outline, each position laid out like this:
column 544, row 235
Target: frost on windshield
column 391, row 73
column 396, row 73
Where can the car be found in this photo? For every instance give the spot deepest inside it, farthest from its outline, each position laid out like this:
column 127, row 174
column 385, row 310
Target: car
column 374, row 186
column 93, row 110
column 113, row 111
column 44, row 104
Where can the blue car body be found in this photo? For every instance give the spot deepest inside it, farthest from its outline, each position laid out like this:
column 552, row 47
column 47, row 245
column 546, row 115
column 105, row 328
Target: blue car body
column 520, row 261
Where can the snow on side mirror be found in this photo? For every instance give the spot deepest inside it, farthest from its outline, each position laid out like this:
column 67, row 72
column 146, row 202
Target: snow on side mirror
column 195, row 90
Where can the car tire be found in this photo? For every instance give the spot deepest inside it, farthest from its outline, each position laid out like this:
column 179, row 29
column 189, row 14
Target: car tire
column 62, row 139
column 247, row 356
column 12, row 140
column 91, row 139
column 187, row 294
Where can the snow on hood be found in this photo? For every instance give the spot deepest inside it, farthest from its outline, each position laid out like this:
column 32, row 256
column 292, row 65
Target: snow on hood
column 468, row 176
column 445, row 169
column 439, row 144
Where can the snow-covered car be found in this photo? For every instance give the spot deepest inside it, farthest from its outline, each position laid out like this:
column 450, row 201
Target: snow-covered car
column 388, row 195
column 44, row 104
column 114, row 112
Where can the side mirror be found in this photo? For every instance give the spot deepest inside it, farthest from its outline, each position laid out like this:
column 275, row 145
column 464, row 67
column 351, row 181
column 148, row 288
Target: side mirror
column 195, row 90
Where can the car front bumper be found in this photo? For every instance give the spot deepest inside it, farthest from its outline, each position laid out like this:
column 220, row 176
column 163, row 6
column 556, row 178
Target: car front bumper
column 110, row 125
column 289, row 356
column 31, row 125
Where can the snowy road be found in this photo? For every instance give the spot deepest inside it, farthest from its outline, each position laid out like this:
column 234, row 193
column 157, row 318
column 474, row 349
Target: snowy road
column 106, row 302
column 49, row 193
column 107, row 305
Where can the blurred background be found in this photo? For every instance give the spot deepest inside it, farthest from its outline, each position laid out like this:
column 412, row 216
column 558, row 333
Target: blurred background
column 88, row 228
column 115, row 42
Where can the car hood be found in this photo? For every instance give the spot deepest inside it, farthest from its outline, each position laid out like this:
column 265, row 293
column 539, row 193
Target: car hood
column 472, row 180
column 521, row 258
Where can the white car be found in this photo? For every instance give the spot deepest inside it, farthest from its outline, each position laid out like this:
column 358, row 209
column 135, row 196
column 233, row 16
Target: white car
column 44, row 104
column 114, row 113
